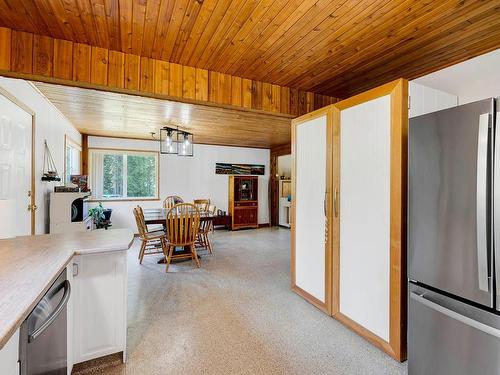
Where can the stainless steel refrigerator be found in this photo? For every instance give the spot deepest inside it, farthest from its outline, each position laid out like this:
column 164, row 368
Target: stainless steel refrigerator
column 454, row 241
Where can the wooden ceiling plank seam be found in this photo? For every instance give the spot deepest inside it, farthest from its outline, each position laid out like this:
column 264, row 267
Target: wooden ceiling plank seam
column 150, row 26
column 73, row 13
column 292, row 13
column 225, row 12
column 346, row 42
column 260, row 18
column 125, row 12
column 138, row 20
column 179, row 11
column 436, row 33
column 51, row 21
column 206, row 11
column 226, row 32
column 20, row 14
column 295, row 33
column 474, row 30
column 187, row 24
column 112, row 12
column 407, row 34
column 100, row 22
column 346, row 15
column 215, row 19
column 87, row 20
column 162, row 24
column 65, row 23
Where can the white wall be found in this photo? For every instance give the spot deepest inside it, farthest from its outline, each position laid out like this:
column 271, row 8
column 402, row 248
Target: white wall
column 475, row 79
column 50, row 125
column 189, row 177
column 425, row 99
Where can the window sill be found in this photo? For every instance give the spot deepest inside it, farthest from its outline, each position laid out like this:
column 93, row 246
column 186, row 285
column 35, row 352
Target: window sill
column 93, row 200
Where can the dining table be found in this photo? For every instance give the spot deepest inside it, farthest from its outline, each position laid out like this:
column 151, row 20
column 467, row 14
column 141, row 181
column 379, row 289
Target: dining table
column 158, row 216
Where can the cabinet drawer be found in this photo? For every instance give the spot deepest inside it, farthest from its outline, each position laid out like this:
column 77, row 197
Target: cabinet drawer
column 245, row 204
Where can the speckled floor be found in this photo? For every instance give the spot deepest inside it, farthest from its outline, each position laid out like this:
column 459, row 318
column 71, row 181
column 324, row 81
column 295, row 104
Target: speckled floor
column 235, row 315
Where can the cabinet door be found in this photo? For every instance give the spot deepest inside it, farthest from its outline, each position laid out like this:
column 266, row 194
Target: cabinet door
column 9, row 356
column 100, row 306
column 370, row 213
column 311, row 180
column 245, row 216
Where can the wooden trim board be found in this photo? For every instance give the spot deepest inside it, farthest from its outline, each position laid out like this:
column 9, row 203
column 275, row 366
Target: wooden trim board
column 82, row 65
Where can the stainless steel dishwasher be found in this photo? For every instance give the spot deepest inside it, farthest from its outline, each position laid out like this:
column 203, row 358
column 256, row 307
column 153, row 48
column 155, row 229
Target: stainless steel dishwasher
column 43, row 335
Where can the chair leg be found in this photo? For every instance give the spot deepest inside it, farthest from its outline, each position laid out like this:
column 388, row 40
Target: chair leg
column 141, row 252
column 194, row 254
column 169, row 257
column 209, row 244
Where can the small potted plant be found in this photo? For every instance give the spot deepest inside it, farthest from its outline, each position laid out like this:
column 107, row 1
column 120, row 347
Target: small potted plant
column 101, row 216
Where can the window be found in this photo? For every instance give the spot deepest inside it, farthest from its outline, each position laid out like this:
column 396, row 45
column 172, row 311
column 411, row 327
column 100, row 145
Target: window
column 116, row 174
column 72, row 155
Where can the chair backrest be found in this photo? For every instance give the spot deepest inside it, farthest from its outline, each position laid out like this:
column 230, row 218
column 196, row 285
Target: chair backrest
column 212, row 209
column 171, row 201
column 141, row 223
column 183, row 224
column 202, row 204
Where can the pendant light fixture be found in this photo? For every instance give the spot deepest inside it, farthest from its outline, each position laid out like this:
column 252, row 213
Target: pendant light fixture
column 176, row 141
column 185, row 143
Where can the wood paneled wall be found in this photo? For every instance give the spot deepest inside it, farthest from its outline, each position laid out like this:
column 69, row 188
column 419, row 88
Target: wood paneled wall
column 43, row 58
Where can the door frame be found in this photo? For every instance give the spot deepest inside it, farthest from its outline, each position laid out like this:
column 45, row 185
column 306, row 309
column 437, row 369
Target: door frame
column 32, row 113
column 327, row 305
column 398, row 91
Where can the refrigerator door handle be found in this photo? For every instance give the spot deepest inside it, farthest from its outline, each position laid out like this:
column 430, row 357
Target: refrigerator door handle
column 454, row 315
column 481, row 202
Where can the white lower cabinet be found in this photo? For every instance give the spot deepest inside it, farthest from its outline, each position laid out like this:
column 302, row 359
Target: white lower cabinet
column 99, row 305
column 9, row 356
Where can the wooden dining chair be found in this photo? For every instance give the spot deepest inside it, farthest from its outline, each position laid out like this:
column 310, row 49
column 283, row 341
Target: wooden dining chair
column 202, row 204
column 171, row 201
column 182, row 223
column 151, row 242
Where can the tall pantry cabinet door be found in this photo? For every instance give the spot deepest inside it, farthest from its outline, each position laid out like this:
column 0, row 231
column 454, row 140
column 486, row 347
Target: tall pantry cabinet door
column 369, row 288
column 311, row 181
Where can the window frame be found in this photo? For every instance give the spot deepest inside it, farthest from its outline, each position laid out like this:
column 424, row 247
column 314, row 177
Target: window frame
column 124, row 151
column 69, row 142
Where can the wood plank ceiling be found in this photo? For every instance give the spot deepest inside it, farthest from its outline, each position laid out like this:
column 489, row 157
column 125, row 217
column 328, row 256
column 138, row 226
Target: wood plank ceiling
column 332, row 47
column 103, row 113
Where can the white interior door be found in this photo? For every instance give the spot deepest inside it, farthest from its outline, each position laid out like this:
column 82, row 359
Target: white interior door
column 15, row 161
column 310, row 221
column 365, row 175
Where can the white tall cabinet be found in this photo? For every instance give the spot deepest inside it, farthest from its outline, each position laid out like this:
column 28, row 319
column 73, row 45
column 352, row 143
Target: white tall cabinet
column 349, row 231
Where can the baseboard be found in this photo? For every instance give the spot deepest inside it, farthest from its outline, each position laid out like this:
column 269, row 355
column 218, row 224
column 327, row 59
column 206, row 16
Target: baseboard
column 264, row 225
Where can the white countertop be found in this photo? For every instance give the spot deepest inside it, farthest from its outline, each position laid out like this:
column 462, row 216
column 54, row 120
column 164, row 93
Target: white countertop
column 30, row 264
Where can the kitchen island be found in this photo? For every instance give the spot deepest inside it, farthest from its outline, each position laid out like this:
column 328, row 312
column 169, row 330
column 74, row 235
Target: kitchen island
column 95, row 263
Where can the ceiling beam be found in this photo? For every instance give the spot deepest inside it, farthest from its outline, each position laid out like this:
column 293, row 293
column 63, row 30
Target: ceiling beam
column 41, row 58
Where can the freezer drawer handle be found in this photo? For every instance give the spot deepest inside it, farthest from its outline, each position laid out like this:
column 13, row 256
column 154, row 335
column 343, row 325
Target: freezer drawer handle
column 454, row 315
column 481, row 202
column 67, row 292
